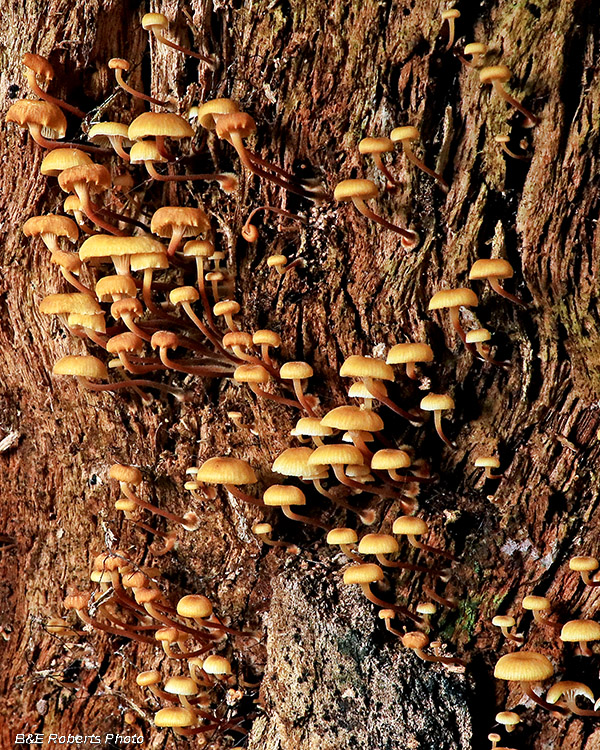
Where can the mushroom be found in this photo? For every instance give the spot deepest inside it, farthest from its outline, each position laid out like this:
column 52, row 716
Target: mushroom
column 569, row 690
column 376, row 147
column 264, row 530
column 284, row 496
column 453, row 300
column 200, row 609
column 229, row 472
column 503, row 141
column 497, row 75
column 177, row 223
column 538, row 605
column 159, row 125
column 366, row 574
column 412, row 527
column 181, row 720
column 408, row 354
column 505, row 623
column 38, row 67
column 345, row 539
column 449, row 16
column 112, row 132
column 404, row 135
column 508, row 719
column 488, row 463
column 311, row 427
column 84, row 181
column 581, row 631
column 359, row 191
column 157, row 23
column 356, row 421
column 381, row 545
column 478, row 337
column 494, row 269
column 476, row 51
column 118, row 64
column 151, row 679
column 417, row 642
column 585, row 565
column 527, row 667
column 45, row 122
column 266, row 339
column 438, row 402
column 227, row 308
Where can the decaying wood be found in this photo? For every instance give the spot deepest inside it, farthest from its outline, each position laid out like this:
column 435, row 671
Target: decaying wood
column 317, row 77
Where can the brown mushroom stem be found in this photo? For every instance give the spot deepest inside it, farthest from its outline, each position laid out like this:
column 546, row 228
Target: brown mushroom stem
column 266, row 539
column 390, row 629
column 137, row 368
column 588, row 580
column 130, row 495
column 574, row 708
column 437, row 421
column 398, row 608
column 344, row 479
column 499, row 289
column 411, row 371
column 185, row 50
column 168, row 622
column 74, row 281
column 33, row 85
column 250, row 232
column 182, row 654
column 512, row 154
column 84, row 616
column 299, row 391
column 378, row 396
column 456, row 324
column 274, row 397
column 210, row 335
column 411, row 156
column 511, row 636
column 530, row 119
column 236, row 492
column 287, row 511
column 409, row 239
column 433, row 550
column 484, row 352
column 347, row 550
column 450, row 603
column 366, row 516
column 203, row 295
column 404, row 566
column 108, row 387
column 440, row 659
column 88, row 209
column 203, row 371
column 490, row 475
column 553, row 708
column 134, row 92
column 223, row 179
column 392, row 182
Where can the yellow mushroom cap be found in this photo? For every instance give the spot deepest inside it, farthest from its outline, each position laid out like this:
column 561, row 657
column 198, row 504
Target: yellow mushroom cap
column 336, row 454
column 251, row 374
column 311, row 426
column 584, row 563
column 437, row 401
column 491, row 268
column 342, row 536
column 475, row 48
column 357, row 366
column 183, row 294
column 180, row 685
column 125, row 342
column 295, row 371
column 145, row 151
column 109, row 287
column 48, row 116
column 175, row 716
column 508, row 718
column 503, row 621
column 194, row 605
column 151, row 677
column 348, row 190
column 237, row 338
column 262, row 528
column 105, row 129
column 107, row 245
column 149, row 261
column 353, row 418
column 60, row 226
column 198, row 248
column 118, row 63
column 93, row 322
column 493, row 73
column 477, row 336
column 210, row 111
column 127, row 474
column 450, row 13
column 59, row 159
column 275, row 261
column 293, row 462
column 225, row 470
column 235, row 122
column 69, row 302
column 409, row 352
column 446, row 298
column 415, row 639
column 523, row 666
column 166, row 219
column 126, row 505
column 536, row 603
column 216, row 665
column 569, row 687
column 164, row 124
column 390, row 458
column 404, row 133
column 40, row 66
column 490, row 462
column 85, row 366
column 359, row 390
column 580, row 630
column 69, row 261
column 166, row 635
column 363, row 573
column 284, row 494
column 269, row 338
column 226, row 307
column 375, row 145
column 95, row 176
column 426, row 608
column 377, row 544
column 410, row 525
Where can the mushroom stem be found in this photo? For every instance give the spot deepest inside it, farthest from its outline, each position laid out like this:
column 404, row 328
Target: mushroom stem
column 33, row 85
column 347, row 550
column 484, row 352
column 411, row 156
column 207, row 332
column 440, row 659
column 530, row 119
column 366, row 516
column 528, row 690
column 409, row 239
column 176, row 392
column 274, row 397
column 236, row 492
column 411, row 371
column 179, row 48
column 222, row 179
column 499, row 289
column 299, row 391
column 84, row 616
column 427, row 548
column 202, row 371
column 437, row 420
column 574, row 708
column 393, row 183
column 511, row 636
column 130, row 495
column 378, row 396
column 450, row 603
column 344, row 479
column 250, row 232
column 134, row 92
column 455, row 320
column 404, row 566
column 287, row 511
column 588, row 580
column 88, row 209
column 74, row 281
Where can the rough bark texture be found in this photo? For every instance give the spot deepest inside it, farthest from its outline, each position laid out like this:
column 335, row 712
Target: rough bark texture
column 317, row 77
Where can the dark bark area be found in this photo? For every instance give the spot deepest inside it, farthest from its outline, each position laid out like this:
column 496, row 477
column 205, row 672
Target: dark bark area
column 318, row 77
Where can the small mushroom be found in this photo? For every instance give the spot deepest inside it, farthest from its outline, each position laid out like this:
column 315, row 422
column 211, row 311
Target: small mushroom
column 284, row 496
column 417, row 642
column 453, row 300
column 493, row 269
column 438, row 402
column 409, row 354
column 157, row 23
column 404, row 135
column 526, row 667
column 499, row 74
column 488, row 463
column 449, row 16
column 581, row 631
column 585, row 565
column 569, row 690
column 540, row 605
column 505, row 623
column 376, row 147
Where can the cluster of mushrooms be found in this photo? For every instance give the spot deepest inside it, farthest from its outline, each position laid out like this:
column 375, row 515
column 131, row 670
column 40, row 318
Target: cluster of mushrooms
column 158, row 298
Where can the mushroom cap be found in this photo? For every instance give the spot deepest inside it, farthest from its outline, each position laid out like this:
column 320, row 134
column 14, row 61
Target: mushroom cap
column 164, row 340
column 491, row 268
column 182, row 294
column 77, row 600
column 118, row 63
column 437, row 401
column 342, row 536
column 166, row 219
column 536, row 603
column 503, row 621
column 127, row 474
column 262, row 529
column 348, row 190
column 150, row 677
column 84, row 366
column 293, row 462
column 410, row 525
column 126, row 306
column 149, row 261
column 226, row 307
column 167, row 635
column 580, row 630
column 69, row 302
column 181, row 685
column 336, row 454
column 390, row 458
column 159, row 124
column 375, row 146
column 502, row 138
column 106, row 129
column 377, row 544
column 129, row 343
column 237, row 338
column 48, row 116
column 415, row 639
column 59, row 226
column 353, row 418
column 235, row 122
column 477, row 336
column 126, row 505
column 446, row 298
column 523, row 666
column 404, row 133
column 60, row 159
column 568, row 687
column 584, row 563
column 95, row 176
column 154, row 19
column 284, row 494
column 275, row 261
column 69, row 261
column 40, row 66
column 145, row 151
column 490, row 462
column 215, row 276
column 357, row 366
column 251, row 374
column 475, row 48
column 266, row 337
column 508, row 718
column 311, row 427
column 409, row 352
column 363, row 573
column 295, row 371
column 426, row 608
column 216, row 665
column 359, row 389
column 174, row 716
column 198, row 249
column 93, row 322
column 109, row 287
column 210, row 111
column 493, row 73
column 450, row 13
column 226, row 470
column 107, row 245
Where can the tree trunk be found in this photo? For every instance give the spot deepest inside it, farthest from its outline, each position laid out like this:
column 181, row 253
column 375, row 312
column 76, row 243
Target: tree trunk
column 317, row 77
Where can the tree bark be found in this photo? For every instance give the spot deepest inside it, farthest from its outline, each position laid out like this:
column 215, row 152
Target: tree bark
column 317, row 77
